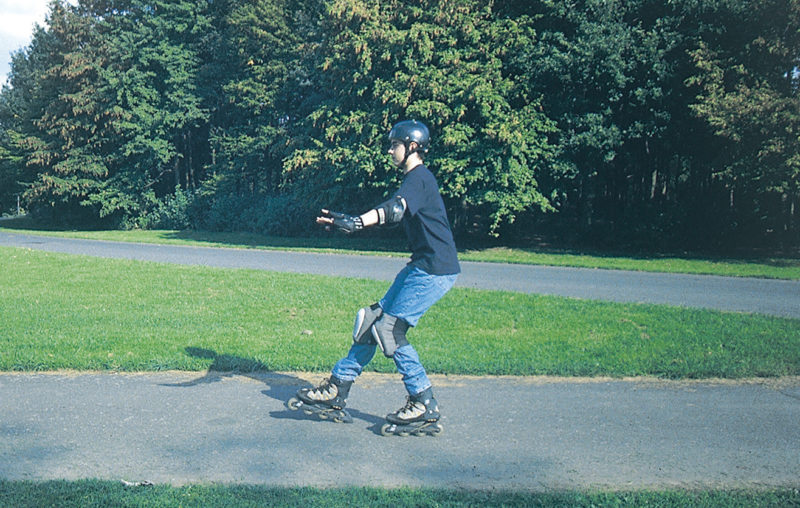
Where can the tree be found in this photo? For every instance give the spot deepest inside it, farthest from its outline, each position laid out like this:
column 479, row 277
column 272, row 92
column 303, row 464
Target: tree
column 64, row 117
column 160, row 119
column 748, row 82
column 258, row 82
column 442, row 63
column 259, row 68
column 634, row 121
column 611, row 76
column 14, row 101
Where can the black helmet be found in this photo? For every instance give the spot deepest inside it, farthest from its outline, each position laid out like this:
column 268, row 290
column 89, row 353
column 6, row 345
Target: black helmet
column 411, row 130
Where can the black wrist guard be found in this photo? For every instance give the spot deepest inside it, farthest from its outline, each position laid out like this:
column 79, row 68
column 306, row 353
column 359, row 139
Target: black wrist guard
column 346, row 223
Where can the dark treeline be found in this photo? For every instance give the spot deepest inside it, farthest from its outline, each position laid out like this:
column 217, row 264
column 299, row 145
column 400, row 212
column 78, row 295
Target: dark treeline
column 638, row 122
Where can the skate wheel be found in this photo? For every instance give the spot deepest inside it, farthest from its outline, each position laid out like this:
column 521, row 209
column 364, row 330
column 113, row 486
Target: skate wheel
column 386, row 429
column 429, row 430
column 323, row 416
column 342, row 417
column 294, row 404
column 308, row 412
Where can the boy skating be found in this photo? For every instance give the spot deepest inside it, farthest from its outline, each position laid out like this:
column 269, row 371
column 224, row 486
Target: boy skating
column 418, row 207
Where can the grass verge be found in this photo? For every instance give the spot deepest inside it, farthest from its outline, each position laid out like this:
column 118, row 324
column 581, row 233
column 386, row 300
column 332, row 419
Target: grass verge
column 765, row 267
column 73, row 312
column 90, row 493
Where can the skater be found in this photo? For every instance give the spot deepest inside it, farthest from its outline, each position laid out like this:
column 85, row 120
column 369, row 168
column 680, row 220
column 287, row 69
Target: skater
column 418, row 207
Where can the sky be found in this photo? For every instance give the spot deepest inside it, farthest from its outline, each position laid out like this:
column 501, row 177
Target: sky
column 17, row 19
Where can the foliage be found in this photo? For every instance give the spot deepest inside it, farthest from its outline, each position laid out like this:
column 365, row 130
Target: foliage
column 154, row 79
column 64, row 121
column 598, row 121
column 748, row 85
column 443, row 63
column 104, row 107
column 172, row 212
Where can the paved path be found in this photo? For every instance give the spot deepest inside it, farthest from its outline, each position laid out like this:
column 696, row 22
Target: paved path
column 774, row 297
column 500, row 433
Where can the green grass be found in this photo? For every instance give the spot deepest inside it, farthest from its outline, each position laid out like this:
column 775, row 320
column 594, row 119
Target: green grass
column 73, row 312
column 91, row 493
column 768, row 267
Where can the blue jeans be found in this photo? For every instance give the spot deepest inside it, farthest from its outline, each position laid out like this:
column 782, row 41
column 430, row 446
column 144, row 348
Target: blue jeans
column 411, row 294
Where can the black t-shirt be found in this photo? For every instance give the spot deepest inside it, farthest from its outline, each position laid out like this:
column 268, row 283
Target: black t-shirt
column 425, row 222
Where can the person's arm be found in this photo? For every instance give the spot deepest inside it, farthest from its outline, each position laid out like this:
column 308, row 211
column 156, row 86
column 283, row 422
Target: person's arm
column 388, row 212
column 341, row 221
column 369, row 218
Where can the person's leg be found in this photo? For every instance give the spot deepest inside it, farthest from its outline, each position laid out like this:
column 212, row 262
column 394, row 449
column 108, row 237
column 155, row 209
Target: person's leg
column 415, row 379
column 360, row 353
column 352, row 365
column 412, row 294
column 395, row 289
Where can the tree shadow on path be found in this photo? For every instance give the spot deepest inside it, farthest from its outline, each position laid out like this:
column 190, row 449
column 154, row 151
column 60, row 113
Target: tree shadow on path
column 280, row 387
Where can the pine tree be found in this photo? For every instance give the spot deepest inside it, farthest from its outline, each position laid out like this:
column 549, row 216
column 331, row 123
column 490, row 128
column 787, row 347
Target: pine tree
column 66, row 115
column 154, row 73
column 442, row 63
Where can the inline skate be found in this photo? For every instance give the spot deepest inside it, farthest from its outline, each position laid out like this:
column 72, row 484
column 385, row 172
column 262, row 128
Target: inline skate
column 419, row 417
column 326, row 401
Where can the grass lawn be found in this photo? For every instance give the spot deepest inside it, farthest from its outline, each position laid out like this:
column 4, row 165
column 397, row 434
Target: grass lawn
column 91, row 493
column 73, row 312
column 765, row 267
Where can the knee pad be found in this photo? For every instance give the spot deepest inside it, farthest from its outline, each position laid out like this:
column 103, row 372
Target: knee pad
column 365, row 318
column 390, row 334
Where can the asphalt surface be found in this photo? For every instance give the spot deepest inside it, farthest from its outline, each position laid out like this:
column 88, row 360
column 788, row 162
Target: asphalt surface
column 772, row 297
column 525, row 433
column 532, row 434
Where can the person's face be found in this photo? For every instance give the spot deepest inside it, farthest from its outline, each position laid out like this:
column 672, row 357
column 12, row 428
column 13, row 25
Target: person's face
column 398, row 152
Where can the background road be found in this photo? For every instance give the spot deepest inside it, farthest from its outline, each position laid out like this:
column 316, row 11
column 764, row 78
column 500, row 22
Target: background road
column 773, row 297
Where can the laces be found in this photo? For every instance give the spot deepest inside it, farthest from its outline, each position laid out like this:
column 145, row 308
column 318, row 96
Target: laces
column 326, row 390
column 411, row 409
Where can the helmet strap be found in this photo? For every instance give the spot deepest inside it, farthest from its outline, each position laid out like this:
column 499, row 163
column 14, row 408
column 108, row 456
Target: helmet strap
column 407, row 145
column 405, row 156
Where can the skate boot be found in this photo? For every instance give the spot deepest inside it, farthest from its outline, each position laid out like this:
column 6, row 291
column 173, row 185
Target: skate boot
column 327, row 400
column 419, row 417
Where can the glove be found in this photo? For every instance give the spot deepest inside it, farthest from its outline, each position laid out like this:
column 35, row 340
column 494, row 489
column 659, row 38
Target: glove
column 346, row 223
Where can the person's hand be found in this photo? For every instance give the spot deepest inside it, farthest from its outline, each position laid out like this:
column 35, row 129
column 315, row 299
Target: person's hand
column 325, row 219
column 343, row 222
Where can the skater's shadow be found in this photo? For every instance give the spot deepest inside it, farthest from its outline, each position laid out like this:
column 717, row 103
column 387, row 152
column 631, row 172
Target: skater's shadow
column 375, row 421
column 280, row 387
